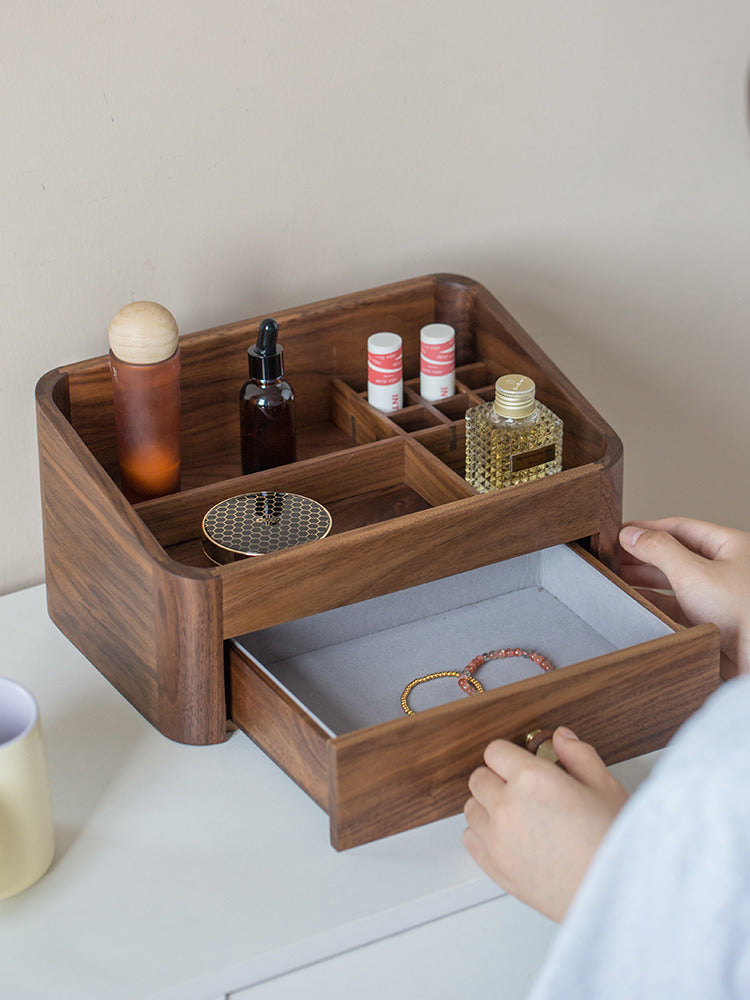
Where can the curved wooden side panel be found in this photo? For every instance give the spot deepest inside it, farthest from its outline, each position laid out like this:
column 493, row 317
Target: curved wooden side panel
column 189, row 657
column 150, row 626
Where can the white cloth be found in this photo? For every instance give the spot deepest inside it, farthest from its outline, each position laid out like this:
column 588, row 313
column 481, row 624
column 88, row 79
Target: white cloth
column 664, row 911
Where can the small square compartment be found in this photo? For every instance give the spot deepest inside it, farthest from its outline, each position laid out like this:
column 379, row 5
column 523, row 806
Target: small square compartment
column 340, row 676
column 412, row 393
column 486, row 393
column 415, row 418
column 479, row 374
column 448, row 444
column 455, row 407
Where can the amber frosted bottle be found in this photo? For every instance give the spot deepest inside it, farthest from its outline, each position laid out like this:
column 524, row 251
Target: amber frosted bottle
column 512, row 439
column 144, row 360
column 267, row 414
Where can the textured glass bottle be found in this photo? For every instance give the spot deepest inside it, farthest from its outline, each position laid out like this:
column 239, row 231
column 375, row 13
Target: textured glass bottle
column 512, row 439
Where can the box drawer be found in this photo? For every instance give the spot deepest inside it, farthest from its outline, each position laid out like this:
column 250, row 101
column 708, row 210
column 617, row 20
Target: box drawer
column 321, row 695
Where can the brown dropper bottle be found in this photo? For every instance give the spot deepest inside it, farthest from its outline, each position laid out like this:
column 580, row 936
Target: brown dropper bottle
column 144, row 360
column 267, row 417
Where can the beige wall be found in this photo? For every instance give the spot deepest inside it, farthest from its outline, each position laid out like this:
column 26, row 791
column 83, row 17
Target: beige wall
column 588, row 161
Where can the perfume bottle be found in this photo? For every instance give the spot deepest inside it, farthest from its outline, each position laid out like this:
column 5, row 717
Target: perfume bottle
column 144, row 361
column 267, row 417
column 512, row 439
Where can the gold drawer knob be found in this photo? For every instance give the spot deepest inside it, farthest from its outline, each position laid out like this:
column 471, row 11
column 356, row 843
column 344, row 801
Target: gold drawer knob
column 539, row 742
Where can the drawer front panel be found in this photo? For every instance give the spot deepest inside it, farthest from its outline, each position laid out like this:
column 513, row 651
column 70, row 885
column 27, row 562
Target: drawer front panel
column 412, row 771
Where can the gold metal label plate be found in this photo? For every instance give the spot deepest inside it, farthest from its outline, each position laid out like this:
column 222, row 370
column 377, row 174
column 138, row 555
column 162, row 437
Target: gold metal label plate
column 529, row 459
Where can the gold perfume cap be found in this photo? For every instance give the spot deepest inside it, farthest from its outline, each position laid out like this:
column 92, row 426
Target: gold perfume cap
column 515, row 396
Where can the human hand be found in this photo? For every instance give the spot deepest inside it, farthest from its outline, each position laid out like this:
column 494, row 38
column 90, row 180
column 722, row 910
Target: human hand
column 532, row 827
column 707, row 567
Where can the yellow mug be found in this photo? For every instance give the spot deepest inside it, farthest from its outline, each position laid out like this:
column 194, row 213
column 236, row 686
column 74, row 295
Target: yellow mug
column 27, row 837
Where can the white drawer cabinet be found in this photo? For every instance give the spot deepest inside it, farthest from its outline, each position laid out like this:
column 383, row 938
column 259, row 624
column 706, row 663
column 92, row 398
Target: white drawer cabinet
column 490, row 950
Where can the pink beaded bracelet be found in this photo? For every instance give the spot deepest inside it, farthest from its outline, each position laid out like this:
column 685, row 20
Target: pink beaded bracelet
column 466, row 675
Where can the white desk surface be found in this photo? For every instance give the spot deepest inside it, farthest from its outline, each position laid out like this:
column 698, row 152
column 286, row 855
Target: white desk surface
column 187, row 873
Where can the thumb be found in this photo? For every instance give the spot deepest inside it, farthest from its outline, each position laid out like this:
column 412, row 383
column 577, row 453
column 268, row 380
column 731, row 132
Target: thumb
column 659, row 549
column 580, row 759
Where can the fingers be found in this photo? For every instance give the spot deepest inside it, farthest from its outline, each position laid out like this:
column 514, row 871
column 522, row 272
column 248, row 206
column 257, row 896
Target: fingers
column 486, row 787
column 579, row 759
column 659, row 549
column 584, row 764
column 639, row 574
column 476, row 816
column 701, row 537
column 506, row 759
column 513, row 770
column 473, row 844
column 476, row 846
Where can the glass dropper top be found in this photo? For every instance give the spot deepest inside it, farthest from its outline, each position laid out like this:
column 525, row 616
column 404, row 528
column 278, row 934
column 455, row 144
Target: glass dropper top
column 266, row 357
column 268, row 331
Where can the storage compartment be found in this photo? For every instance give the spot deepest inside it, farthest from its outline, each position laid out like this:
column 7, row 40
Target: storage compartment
column 322, row 695
column 372, row 484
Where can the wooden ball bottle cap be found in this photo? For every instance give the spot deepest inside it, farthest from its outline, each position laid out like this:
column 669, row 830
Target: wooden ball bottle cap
column 143, row 333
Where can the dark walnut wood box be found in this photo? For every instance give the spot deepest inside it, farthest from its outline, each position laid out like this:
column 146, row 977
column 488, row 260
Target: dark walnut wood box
column 132, row 589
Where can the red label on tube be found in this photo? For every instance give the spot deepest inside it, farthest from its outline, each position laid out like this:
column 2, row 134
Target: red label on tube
column 385, row 369
column 438, row 359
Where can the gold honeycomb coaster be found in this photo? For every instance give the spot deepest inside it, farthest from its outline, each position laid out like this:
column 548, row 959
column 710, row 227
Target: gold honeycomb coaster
column 254, row 524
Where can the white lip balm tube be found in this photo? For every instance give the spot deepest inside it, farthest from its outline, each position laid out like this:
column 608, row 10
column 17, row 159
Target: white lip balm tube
column 385, row 372
column 437, row 361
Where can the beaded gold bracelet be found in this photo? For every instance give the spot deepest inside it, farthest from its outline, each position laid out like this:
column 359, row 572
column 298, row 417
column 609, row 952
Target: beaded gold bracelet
column 466, row 679
column 431, row 677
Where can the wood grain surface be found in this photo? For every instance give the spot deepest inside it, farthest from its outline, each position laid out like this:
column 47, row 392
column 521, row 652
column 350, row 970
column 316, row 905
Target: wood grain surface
column 415, row 770
column 280, row 727
column 405, row 552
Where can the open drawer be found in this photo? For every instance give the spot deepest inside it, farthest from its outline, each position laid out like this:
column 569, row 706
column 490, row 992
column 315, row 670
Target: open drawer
column 321, row 695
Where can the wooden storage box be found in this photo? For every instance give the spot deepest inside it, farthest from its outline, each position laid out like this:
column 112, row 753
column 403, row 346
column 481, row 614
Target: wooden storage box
column 132, row 589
